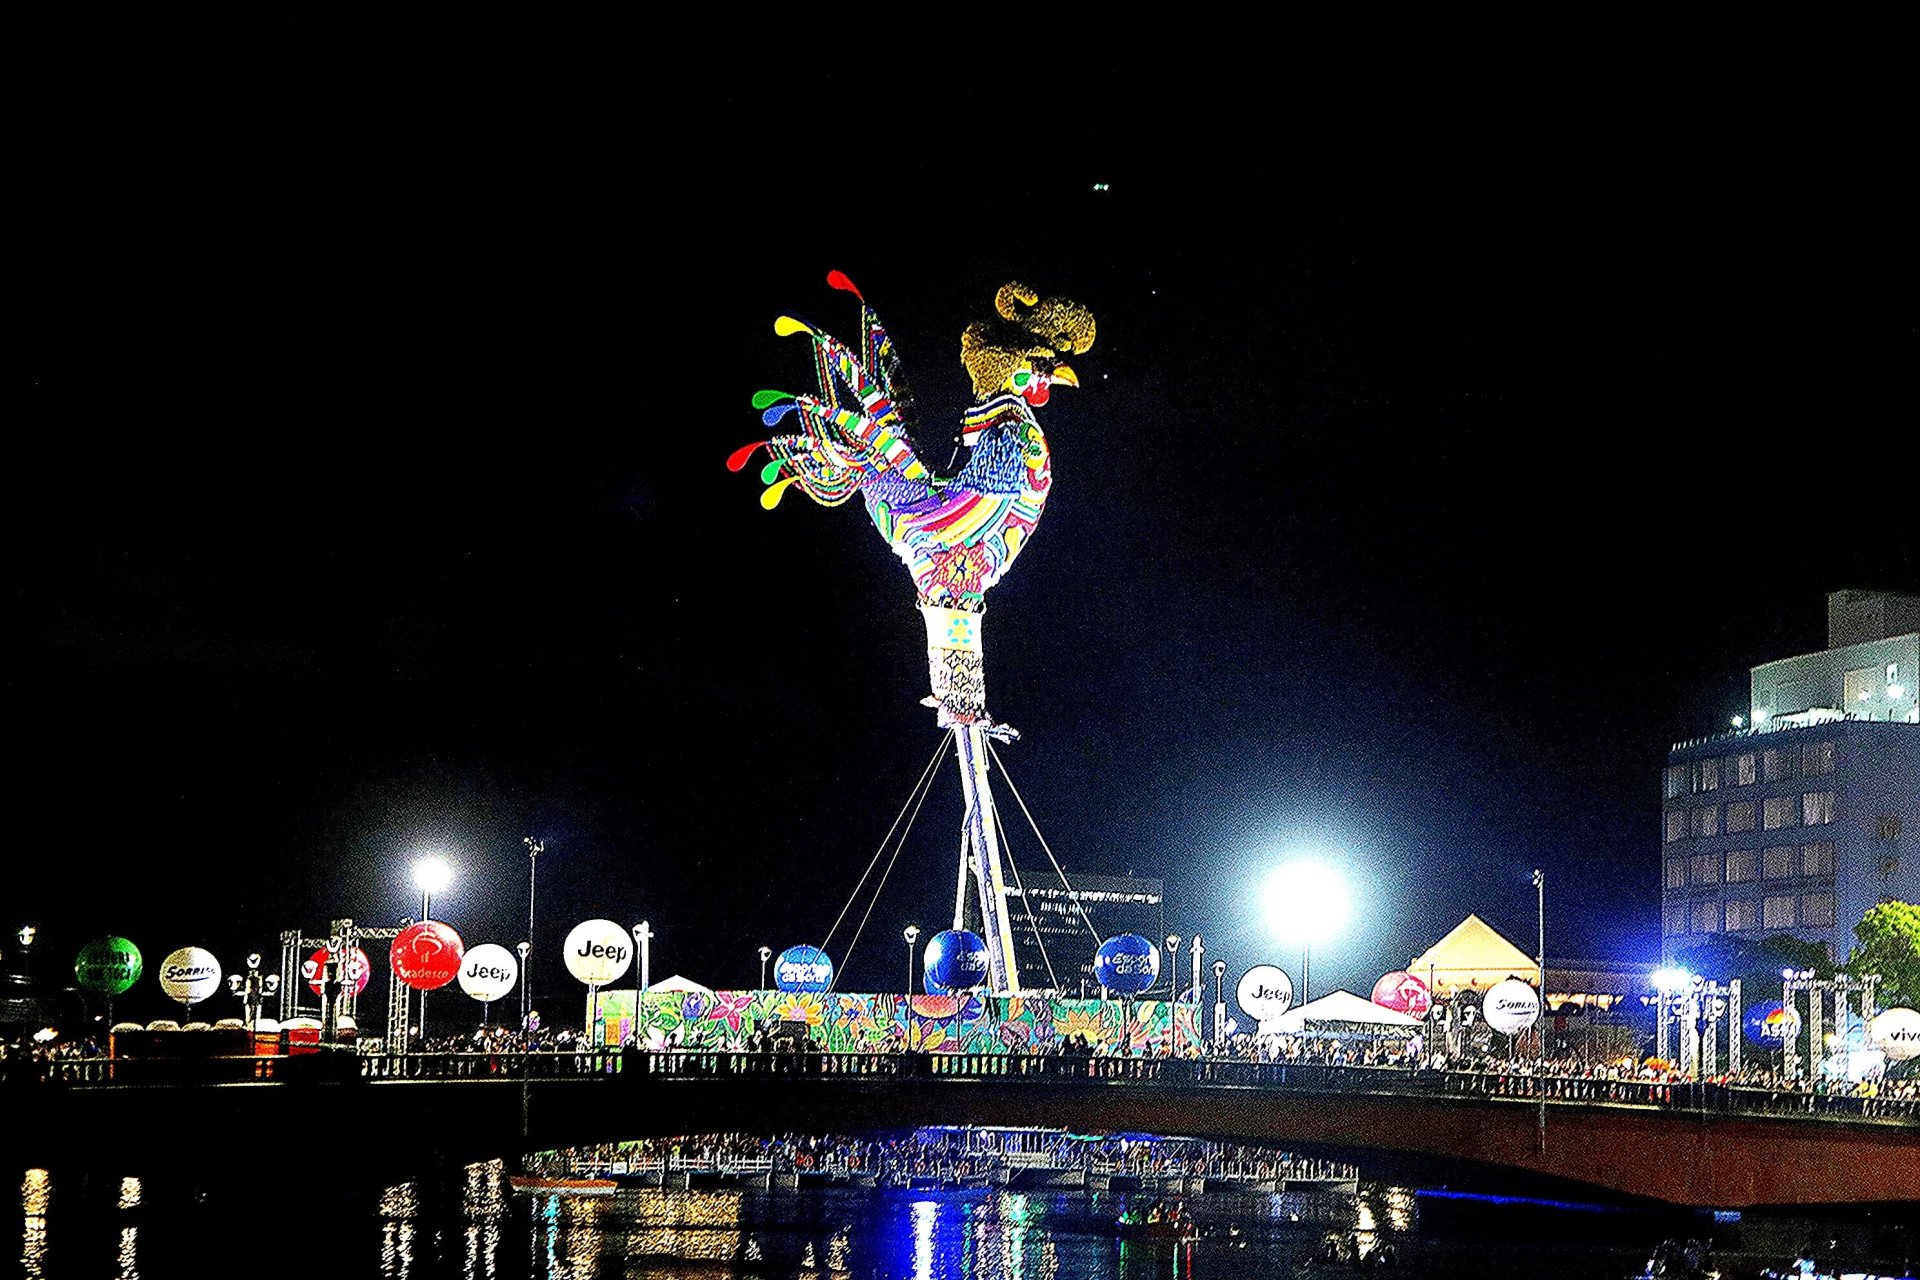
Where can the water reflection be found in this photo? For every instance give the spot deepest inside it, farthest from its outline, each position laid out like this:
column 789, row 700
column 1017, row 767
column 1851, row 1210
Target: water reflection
column 36, row 1194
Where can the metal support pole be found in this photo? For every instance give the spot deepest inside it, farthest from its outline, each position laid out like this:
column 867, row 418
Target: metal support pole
column 994, row 923
column 534, row 849
column 1540, row 918
column 1733, row 1027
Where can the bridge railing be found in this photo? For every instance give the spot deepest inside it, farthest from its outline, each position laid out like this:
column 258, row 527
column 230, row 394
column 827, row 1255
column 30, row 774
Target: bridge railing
column 634, row 1065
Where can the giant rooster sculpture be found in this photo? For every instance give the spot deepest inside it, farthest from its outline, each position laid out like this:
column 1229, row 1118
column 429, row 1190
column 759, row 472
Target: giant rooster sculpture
column 956, row 534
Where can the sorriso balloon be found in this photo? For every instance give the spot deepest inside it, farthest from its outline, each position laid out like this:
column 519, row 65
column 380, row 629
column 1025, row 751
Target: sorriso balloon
column 1511, row 1007
column 190, row 975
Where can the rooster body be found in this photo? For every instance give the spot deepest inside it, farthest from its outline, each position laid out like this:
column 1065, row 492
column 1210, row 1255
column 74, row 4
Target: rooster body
column 959, row 534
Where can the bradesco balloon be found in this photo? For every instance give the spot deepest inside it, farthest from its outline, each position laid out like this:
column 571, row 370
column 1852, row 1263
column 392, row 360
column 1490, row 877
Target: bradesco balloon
column 1768, row 1024
column 108, row 966
column 803, row 968
column 190, row 975
column 489, row 972
column 1896, row 1033
column 1265, row 992
column 1401, row 992
column 1127, row 963
column 956, row 960
column 598, row 952
column 1511, row 1007
column 359, row 969
column 426, row 956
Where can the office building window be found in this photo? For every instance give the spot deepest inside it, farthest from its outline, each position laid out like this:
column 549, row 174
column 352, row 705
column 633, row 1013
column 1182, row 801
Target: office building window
column 1676, row 781
column 1706, row 917
column 1816, row 808
column 1816, row 910
column 1706, row 868
column 1740, row 816
column 1742, row 864
column 1676, row 873
column 1676, row 825
column 1674, row 918
column 1777, row 913
column 1778, row 812
column 1816, row 758
column 1817, row 859
column 1704, row 821
column 1744, row 913
column 1775, row 765
column 1743, row 770
column 1780, row 860
column 1706, row 775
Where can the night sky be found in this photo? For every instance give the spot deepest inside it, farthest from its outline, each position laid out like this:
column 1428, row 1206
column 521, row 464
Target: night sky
column 1427, row 480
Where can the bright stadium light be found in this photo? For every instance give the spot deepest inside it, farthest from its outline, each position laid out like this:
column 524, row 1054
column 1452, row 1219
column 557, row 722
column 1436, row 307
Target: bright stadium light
column 1671, row 980
column 1305, row 902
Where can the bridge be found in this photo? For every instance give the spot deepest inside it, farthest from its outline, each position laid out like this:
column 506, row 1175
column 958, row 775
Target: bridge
column 1686, row 1144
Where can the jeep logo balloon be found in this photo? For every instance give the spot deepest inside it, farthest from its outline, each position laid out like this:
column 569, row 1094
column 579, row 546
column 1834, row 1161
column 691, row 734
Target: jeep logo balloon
column 190, row 975
column 598, row 952
column 489, row 972
column 1265, row 993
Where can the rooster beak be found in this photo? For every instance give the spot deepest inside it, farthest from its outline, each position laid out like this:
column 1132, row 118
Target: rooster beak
column 1065, row 374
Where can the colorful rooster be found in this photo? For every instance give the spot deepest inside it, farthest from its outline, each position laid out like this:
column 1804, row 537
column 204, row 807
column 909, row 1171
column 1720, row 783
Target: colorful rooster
column 956, row 534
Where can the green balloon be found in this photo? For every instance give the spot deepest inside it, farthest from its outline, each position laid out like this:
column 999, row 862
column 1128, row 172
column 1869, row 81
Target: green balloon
column 108, row 966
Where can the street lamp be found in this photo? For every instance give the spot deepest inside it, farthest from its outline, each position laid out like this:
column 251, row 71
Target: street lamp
column 1305, row 901
column 253, row 988
column 766, row 953
column 430, row 874
column 1219, row 1001
column 525, row 949
column 912, row 935
column 534, row 849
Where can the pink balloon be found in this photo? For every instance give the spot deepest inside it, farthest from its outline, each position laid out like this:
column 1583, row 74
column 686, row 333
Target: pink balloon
column 1403, row 993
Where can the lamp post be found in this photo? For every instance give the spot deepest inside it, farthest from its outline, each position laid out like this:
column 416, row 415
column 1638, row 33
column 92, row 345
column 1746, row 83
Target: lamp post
column 642, row 935
column 26, row 936
column 430, row 874
column 1306, row 901
column 1219, row 1002
column 253, row 988
column 643, row 939
column 912, row 935
column 534, row 849
column 765, row 954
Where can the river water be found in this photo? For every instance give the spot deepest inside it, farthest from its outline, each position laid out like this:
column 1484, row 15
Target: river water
column 262, row 1224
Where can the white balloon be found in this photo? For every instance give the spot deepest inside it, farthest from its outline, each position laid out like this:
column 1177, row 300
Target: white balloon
column 488, row 972
column 190, row 975
column 598, row 952
column 1511, row 1007
column 1896, row 1033
column 1265, row 992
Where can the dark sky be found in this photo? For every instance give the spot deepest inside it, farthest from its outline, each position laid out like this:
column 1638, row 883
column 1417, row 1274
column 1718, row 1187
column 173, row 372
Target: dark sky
column 1427, row 480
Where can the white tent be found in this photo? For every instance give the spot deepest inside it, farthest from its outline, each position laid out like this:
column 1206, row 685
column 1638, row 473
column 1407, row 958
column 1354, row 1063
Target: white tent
column 678, row 983
column 1343, row 1006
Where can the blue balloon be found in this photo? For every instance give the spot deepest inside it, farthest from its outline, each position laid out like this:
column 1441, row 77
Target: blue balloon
column 1768, row 1024
column 956, row 960
column 803, row 968
column 1127, row 963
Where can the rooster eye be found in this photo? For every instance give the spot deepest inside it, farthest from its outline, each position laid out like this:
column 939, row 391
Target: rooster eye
column 1021, row 378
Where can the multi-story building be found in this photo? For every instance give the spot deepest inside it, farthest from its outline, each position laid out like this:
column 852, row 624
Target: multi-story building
column 1113, row 904
column 1808, row 813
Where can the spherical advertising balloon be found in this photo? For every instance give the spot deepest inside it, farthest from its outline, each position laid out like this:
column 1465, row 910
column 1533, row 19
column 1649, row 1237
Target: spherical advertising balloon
column 108, row 966
column 1401, row 992
column 190, row 975
column 598, row 952
column 1265, row 992
column 488, row 972
column 1511, row 1007
column 1768, row 1024
column 956, row 960
column 1896, row 1033
column 426, row 956
column 803, row 968
column 359, row 969
column 1127, row 963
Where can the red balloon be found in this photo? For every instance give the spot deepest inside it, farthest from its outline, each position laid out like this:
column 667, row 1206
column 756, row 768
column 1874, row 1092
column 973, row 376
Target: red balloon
column 359, row 969
column 1403, row 993
column 426, row 956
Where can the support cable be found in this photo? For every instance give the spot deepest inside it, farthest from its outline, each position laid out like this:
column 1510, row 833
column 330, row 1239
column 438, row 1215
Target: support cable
column 1071, row 895
column 945, row 740
column 880, row 888
column 1026, row 903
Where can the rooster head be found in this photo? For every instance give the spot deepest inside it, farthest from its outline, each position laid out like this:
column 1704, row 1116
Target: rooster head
column 1026, row 349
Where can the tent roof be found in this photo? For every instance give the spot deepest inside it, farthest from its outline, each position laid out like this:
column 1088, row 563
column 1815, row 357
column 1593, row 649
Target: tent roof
column 1472, row 955
column 1344, row 1006
column 678, row 983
